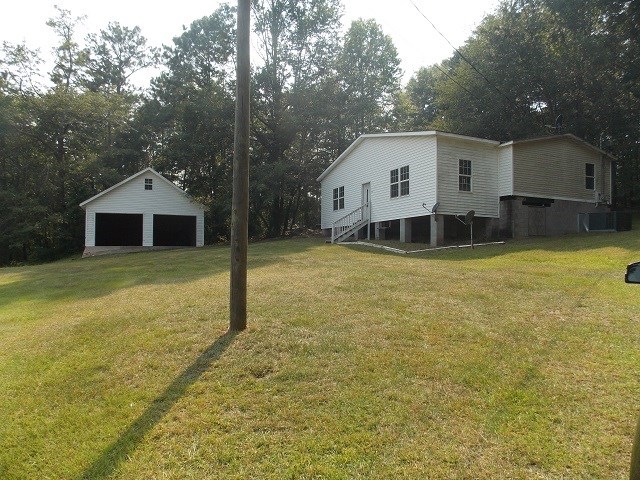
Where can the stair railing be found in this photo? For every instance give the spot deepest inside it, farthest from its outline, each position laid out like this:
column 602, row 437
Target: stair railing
column 349, row 222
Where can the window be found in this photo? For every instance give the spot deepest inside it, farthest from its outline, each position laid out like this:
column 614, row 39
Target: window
column 394, row 183
column 148, row 183
column 399, row 179
column 590, row 176
column 464, row 175
column 404, row 181
column 338, row 198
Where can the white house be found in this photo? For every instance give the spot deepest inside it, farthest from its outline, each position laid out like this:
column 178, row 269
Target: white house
column 391, row 182
column 143, row 211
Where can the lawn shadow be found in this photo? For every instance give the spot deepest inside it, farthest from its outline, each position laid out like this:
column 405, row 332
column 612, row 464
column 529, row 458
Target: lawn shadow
column 119, row 450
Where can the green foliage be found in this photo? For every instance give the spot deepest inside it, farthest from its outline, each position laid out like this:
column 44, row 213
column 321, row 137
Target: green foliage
column 189, row 117
column 422, row 95
column 297, row 40
column 114, row 55
column 70, row 56
column 368, row 70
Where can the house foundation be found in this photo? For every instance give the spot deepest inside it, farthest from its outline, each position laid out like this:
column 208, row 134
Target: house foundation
column 437, row 230
column 522, row 217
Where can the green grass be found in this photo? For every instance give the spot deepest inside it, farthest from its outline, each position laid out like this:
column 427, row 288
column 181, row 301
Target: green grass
column 511, row 361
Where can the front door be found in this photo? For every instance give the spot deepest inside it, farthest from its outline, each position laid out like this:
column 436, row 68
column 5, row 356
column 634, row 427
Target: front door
column 366, row 200
column 366, row 207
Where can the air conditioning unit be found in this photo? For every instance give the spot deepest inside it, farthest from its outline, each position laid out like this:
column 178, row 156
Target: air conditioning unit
column 600, row 198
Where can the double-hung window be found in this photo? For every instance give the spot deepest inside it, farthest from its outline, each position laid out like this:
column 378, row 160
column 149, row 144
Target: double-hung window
column 148, row 183
column 399, row 181
column 590, row 176
column 464, row 175
column 338, row 198
column 394, row 183
column 404, row 181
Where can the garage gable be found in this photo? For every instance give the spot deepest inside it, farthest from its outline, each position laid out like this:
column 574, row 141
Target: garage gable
column 147, row 190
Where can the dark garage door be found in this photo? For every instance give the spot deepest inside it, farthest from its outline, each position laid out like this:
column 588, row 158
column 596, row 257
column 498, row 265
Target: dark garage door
column 174, row 231
column 118, row 230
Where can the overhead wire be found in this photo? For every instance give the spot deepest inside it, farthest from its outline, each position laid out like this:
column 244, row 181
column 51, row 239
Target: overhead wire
column 463, row 57
column 453, row 79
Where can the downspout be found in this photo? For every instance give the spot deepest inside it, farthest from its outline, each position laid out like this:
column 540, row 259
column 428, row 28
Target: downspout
column 602, row 164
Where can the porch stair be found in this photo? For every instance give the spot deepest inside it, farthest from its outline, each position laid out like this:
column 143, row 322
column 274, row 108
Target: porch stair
column 346, row 226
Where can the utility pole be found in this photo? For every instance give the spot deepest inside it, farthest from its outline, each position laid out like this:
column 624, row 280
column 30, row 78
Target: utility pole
column 240, row 202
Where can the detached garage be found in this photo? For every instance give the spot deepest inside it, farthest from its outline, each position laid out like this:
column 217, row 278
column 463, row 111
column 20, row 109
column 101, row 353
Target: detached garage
column 144, row 211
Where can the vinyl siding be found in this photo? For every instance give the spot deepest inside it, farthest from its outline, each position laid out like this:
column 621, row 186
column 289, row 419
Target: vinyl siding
column 131, row 197
column 484, row 197
column 90, row 228
column 556, row 169
column 505, row 171
column 371, row 162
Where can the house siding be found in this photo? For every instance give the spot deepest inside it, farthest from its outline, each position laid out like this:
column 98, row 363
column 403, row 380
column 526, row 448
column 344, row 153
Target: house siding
column 371, row 162
column 505, row 171
column 90, row 228
column 483, row 197
column 556, row 169
column 131, row 197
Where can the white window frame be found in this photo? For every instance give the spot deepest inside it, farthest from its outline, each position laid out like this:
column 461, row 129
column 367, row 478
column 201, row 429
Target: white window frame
column 404, row 181
column 394, row 184
column 399, row 182
column 590, row 179
column 465, row 175
column 338, row 198
column 148, row 183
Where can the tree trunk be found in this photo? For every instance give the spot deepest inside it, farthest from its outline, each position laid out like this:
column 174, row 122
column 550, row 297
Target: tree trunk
column 62, row 173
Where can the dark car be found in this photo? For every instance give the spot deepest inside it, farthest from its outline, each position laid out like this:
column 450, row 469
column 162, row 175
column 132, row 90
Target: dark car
column 633, row 276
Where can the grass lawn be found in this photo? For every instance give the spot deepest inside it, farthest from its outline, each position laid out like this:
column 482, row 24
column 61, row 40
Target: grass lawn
column 507, row 361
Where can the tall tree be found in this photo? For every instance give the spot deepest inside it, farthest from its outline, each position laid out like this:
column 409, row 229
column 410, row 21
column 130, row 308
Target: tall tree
column 114, row 55
column 421, row 94
column 368, row 72
column 296, row 41
column 188, row 120
column 19, row 69
column 70, row 57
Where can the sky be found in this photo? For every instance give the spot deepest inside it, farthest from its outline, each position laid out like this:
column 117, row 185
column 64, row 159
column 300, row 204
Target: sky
column 417, row 42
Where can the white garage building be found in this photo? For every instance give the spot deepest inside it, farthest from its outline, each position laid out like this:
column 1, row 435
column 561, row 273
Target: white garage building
column 144, row 211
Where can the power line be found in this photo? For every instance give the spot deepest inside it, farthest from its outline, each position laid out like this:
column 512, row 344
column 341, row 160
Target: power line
column 454, row 80
column 463, row 58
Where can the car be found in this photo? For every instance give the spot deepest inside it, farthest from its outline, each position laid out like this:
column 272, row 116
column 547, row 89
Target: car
column 633, row 273
column 633, row 276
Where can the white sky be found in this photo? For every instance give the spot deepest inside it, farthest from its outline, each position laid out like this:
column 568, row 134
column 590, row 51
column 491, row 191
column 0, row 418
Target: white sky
column 417, row 42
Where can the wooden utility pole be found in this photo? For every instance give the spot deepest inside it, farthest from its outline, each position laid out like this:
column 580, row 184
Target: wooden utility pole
column 240, row 202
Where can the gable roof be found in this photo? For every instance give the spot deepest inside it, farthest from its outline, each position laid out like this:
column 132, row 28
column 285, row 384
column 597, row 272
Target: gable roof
column 430, row 133
column 136, row 175
column 566, row 136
